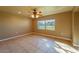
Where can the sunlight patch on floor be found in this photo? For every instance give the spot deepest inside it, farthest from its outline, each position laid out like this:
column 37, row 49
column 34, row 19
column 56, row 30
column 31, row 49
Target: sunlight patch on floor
column 58, row 46
column 65, row 47
column 44, row 39
column 59, row 50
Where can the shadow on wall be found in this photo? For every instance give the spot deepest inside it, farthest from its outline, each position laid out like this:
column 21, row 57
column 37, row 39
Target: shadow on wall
column 12, row 25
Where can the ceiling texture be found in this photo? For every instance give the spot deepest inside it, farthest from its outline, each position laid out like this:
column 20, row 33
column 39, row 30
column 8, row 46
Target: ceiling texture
column 27, row 10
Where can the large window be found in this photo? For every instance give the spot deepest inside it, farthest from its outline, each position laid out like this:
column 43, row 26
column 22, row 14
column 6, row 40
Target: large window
column 46, row 24
column 41, row 25
column 50, row 24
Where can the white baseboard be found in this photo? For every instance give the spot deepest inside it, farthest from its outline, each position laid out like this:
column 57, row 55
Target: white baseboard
column 15, row 36
column 54, row 36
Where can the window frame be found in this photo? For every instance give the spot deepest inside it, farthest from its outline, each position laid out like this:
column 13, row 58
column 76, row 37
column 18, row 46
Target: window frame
column 45, row 25
column 37, row 25
column 52, row 25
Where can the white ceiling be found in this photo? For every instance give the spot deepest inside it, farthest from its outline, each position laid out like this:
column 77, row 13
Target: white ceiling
column 27, row 10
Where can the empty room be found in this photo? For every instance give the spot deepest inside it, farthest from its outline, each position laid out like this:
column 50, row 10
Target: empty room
column 39, row 29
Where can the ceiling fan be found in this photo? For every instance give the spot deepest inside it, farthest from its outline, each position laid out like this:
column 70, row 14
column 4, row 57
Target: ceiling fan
column 36, row 13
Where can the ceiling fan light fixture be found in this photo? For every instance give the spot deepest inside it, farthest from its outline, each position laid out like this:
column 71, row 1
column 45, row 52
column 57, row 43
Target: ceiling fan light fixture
column 35, row 14
column 32, row 16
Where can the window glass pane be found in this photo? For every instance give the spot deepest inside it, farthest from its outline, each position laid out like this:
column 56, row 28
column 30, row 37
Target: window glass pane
column 41, row 24
column 50, row 24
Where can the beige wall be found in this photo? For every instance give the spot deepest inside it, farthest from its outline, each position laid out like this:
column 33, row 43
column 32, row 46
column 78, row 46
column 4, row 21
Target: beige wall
column 12, row 25
column 63, row 24
column 76, row 29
